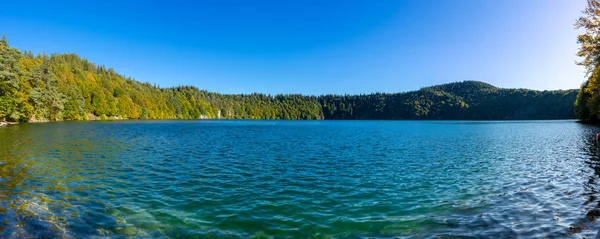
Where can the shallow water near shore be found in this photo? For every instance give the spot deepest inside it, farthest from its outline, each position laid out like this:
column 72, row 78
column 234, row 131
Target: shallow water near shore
column 300, row 179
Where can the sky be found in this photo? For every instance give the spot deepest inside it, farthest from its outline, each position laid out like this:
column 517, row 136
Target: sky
column 311, row 46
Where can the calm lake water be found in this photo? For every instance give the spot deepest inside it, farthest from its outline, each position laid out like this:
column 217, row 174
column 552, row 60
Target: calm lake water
column 300, row 179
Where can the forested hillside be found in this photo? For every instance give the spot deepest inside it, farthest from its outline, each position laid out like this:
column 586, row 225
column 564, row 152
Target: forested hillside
column 468, row 100
column 67, row 87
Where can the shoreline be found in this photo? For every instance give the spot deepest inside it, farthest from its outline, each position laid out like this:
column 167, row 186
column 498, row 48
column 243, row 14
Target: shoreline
column 7, row 123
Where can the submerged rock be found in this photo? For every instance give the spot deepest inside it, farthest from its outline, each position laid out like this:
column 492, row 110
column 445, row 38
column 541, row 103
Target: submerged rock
column 129, row 229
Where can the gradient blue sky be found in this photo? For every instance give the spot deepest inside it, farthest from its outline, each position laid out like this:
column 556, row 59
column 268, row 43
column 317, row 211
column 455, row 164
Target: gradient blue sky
column 311, row 46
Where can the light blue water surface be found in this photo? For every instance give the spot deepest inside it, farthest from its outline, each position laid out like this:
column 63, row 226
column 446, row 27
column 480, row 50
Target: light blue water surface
column 299, row 179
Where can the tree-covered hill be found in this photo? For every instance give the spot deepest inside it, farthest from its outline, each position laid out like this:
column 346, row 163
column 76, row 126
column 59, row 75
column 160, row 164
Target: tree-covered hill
column 67, row 87
column 468, row 100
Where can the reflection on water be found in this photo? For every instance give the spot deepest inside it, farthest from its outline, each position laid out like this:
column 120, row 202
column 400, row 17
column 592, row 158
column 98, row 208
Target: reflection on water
column 26, row 203
column 256, row 179
column 591, row 150
column 42, row 190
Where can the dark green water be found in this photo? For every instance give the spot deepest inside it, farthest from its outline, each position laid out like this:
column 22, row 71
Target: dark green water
column 299, row 179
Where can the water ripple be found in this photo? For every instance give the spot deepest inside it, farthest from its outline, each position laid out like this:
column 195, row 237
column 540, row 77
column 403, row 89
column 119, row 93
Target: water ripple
column 289, row 179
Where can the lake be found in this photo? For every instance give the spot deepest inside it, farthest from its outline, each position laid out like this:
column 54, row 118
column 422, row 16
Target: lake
column 300, row 179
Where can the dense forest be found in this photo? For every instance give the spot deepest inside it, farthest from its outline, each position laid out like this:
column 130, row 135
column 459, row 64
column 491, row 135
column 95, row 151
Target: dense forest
column 67, row 87
column 587, row 105
column 468, row 100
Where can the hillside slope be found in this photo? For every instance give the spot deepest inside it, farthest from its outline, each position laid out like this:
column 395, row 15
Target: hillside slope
column 67, row 87
column 468, row 100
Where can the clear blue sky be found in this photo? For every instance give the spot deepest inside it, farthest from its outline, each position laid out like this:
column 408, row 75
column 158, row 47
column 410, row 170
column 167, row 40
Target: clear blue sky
column 311, row 46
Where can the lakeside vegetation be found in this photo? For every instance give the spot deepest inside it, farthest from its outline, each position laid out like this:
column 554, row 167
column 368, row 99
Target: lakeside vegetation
column 67, row 87
column 587, row 105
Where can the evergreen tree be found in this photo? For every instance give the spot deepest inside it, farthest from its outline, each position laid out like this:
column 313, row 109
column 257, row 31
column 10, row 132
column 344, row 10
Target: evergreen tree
column 67, row 87
column 10, row 72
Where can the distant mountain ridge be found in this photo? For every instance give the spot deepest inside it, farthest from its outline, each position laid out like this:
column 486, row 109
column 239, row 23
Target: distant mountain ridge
column 67, row 87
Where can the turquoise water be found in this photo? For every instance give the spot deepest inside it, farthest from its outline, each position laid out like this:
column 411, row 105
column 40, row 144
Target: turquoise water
column 299, row 179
